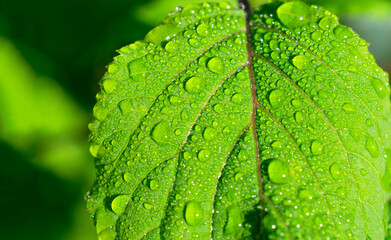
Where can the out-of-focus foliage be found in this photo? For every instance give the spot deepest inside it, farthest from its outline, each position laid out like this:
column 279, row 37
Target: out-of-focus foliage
column 52, row 55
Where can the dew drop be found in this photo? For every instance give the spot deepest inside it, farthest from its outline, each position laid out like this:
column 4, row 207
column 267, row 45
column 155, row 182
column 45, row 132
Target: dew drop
column 94, row 149
column 171, row 46
column 119, row 204
column 328, row 23
column 278, row 171
column 127, row 177
column 203, row 30
column 175, row 100
column 234, row 221
column 237, row 98
column 341, row 192
column 194, row 43
column 336, row 171
column 125, row 107
column 107, row 234
column 278, row 145
column 306, row 194
column 99, row 112
column 372, row 147
column 238, row 176
column 294, row 14
column 160, row 133
column 109, row 85
column 301, row 62
column 349, row 108
column 193, row 213
column 216, row 65
column 316, row 147
column 218, row 108
column 204, row 155
column 379, row 87
column 153, row 184
column 299, row 117
column 195, row 85
column 276, row 97
column 342, row 32
column 147, row 206
column 162, row 33
column 209, row 133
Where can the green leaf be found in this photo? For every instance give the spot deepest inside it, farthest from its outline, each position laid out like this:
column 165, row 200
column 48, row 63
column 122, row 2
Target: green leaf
column 272, row 124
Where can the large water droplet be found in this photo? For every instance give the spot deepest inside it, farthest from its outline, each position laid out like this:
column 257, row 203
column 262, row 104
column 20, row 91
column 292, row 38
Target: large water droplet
column 328, row 23
column 278, row 171
column 294, row 14
column 209, row 133
column 147, row 206
column 153, row 184
column 109, row 85
column 301, row 62
column 193, row 213
column 379, row 87
column 137, row 69
column 119, row 204
column 171, row 46
column 203, row 30
column 306, row 194
column 316, row 147
column 336, row 171
column 276, row 97
column 127, row 177
column 194, row 43
column 234, row 221
column 237, row 98
column 160, row 133
column 195, row 85
column 372, row 147
column 342, row 32
column 94, row 149
column 175, row 100
column 107, row 234
column 349, row 108
column 126, row 107
column 278, row 145
column 216, row 65
column 162, row 33
column 204, row 155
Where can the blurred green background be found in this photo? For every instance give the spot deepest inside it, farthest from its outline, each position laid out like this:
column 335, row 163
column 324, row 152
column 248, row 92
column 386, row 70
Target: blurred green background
column 52, row 55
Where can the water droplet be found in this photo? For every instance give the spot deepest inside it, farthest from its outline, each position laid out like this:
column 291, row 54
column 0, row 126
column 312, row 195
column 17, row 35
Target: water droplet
column 316, row 36
column 219, row 108
column 278, row 145
column 137, row 69
column 193, row 213
column 336, row 171
column 237, row 98
column 153, row 184
column 100, row 112
column 203, row 30
column 216, row 65
column 195, row 85
column 363, row 172
column 234, row 221
column 349, row 108
column 171, row 46
column 162, row 33
column 147, row 206
column 127, row 177
column 107, row 234
column 125, row 107
column 175, row 100
column 299, row 117
column 342, row 32
column 178, row 132
column 160, row 133
column 379, row 87
column 276, row 97
column 238, row 176
column 278, row 171
column 94, row 149
column 209, row 133
column 306, row 194
column 194, row 43
column 341, row 192
column 294, row 14
column 328, row 23
column 301, row 62
column 204, row 155
column 372, row 147
column 316, row 147
column 109, row 85
column 119, row 204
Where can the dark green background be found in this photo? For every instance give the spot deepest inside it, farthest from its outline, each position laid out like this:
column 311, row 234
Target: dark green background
column 52, row 55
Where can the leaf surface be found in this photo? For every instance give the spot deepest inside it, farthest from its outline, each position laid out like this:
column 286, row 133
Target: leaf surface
column 231, row 124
